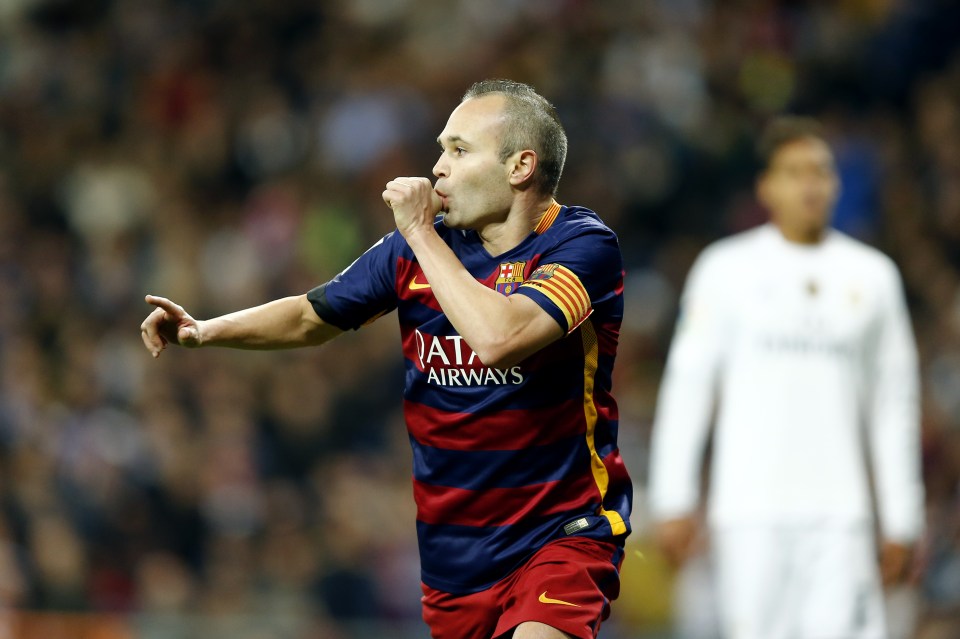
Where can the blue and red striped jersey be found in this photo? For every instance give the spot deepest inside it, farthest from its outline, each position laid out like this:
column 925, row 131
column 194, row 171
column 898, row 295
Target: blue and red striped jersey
column 504, row 460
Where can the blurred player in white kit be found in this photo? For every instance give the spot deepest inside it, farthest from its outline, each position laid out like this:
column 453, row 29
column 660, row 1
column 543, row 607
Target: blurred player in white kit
column 798, row 337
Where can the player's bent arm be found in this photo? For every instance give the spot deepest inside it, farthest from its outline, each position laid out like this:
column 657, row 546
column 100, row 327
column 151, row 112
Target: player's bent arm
column 285, row 323
column 501, row 330
column 525, row 329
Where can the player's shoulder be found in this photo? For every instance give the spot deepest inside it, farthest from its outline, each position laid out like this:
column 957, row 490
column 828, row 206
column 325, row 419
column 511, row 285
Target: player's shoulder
column 580, row 234
column 578, row 220
column 730, row 260
column 860, row 255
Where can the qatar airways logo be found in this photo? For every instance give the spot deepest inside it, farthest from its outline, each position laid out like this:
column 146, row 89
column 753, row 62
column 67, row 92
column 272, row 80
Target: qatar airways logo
column 449, row 361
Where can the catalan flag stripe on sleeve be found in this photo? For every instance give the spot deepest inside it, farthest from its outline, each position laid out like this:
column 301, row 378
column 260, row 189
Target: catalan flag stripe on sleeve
column 564, row 289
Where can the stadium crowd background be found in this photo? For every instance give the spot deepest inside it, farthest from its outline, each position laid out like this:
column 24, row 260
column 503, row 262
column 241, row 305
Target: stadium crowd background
column 226, row 152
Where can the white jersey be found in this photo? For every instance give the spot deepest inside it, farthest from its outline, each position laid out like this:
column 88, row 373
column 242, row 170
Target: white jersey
column 807, row 349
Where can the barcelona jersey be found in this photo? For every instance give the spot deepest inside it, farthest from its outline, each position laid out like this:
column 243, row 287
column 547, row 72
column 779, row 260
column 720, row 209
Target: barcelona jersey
column 504, row 460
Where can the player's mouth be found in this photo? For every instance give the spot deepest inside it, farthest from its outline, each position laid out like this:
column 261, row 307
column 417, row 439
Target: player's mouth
column 444, row 201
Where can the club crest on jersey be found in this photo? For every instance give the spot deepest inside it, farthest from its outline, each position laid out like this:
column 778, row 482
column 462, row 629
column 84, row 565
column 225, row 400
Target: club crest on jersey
column 510, row 277
column 545, row 272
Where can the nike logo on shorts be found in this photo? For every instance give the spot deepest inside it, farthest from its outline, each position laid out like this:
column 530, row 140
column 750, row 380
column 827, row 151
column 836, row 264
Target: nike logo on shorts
column 547, row 600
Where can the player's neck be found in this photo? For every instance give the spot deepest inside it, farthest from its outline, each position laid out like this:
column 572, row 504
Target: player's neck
column 500, row 237
column 804, row 236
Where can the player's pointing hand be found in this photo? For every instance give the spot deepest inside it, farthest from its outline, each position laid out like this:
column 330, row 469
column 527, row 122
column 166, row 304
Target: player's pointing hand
column 168, row 324
column 414, row 202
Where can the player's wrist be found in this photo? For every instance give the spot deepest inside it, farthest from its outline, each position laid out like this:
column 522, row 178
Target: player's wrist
column 419, row 236
column 197, row 336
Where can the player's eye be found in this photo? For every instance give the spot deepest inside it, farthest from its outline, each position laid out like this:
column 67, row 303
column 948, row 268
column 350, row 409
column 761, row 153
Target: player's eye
column 459, row 151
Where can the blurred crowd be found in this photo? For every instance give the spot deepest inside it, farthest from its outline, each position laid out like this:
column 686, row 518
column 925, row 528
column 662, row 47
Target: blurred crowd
column 227, row 152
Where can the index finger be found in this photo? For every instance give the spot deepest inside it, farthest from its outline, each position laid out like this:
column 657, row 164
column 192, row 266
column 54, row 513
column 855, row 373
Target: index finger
column 165, row 304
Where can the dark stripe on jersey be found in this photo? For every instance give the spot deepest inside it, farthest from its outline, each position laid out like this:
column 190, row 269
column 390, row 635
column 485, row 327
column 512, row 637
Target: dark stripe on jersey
column 465, row 549
column 485, row 399
column 478, row 470
column 463, row 552
column 498, row 430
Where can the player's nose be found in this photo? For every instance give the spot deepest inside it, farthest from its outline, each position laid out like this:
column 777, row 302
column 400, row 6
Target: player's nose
column 440, row 169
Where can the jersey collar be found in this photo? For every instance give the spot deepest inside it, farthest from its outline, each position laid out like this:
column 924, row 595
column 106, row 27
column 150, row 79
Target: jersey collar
column 548, row 217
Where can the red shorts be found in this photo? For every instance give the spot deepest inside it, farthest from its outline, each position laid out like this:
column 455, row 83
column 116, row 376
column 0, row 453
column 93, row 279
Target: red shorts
column 568, row 584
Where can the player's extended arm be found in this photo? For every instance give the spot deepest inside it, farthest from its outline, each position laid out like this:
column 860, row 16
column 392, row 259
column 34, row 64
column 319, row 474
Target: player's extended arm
column 501, row 330
column 285, row 323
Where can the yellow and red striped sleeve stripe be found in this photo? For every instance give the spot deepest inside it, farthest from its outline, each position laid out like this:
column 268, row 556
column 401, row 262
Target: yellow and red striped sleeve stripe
column 563, row 288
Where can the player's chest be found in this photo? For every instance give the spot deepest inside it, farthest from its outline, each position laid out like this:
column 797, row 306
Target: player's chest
column 815, row 303
column 502, row 275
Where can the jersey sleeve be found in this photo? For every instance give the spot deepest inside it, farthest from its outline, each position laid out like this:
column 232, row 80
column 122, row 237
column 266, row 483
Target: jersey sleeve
column 894, row 426
column 576, row 275
column 364, row 291
column 687, row 392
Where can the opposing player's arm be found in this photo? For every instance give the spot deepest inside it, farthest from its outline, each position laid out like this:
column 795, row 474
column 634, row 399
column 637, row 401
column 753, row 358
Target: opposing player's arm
column 892, row 370
column 687, row 394
column 684, row 406
column 285, row 323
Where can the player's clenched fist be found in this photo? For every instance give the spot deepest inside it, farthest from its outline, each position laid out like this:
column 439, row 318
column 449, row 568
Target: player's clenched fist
column 168, row 324
column 414, row 202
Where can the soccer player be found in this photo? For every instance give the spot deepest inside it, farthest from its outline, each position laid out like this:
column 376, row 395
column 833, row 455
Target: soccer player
column 509, row 307
column 802, row 336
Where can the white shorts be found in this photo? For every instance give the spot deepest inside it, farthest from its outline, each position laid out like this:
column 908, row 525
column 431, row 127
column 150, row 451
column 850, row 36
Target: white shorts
column 791, row 582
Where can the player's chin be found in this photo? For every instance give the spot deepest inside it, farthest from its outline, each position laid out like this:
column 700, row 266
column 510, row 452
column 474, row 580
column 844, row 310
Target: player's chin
column 450, row 219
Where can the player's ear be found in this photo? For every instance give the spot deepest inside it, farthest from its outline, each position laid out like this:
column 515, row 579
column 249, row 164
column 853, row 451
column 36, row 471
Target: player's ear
column 522, row 165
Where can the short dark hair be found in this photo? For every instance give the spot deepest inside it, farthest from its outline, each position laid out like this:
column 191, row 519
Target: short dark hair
column 531, row 123
column 783, row 130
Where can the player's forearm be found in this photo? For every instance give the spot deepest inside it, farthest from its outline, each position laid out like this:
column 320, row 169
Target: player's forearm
column 676, row 459
column 482, row 316
column 285, row 323
column 897, row 472
column 895, row 427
